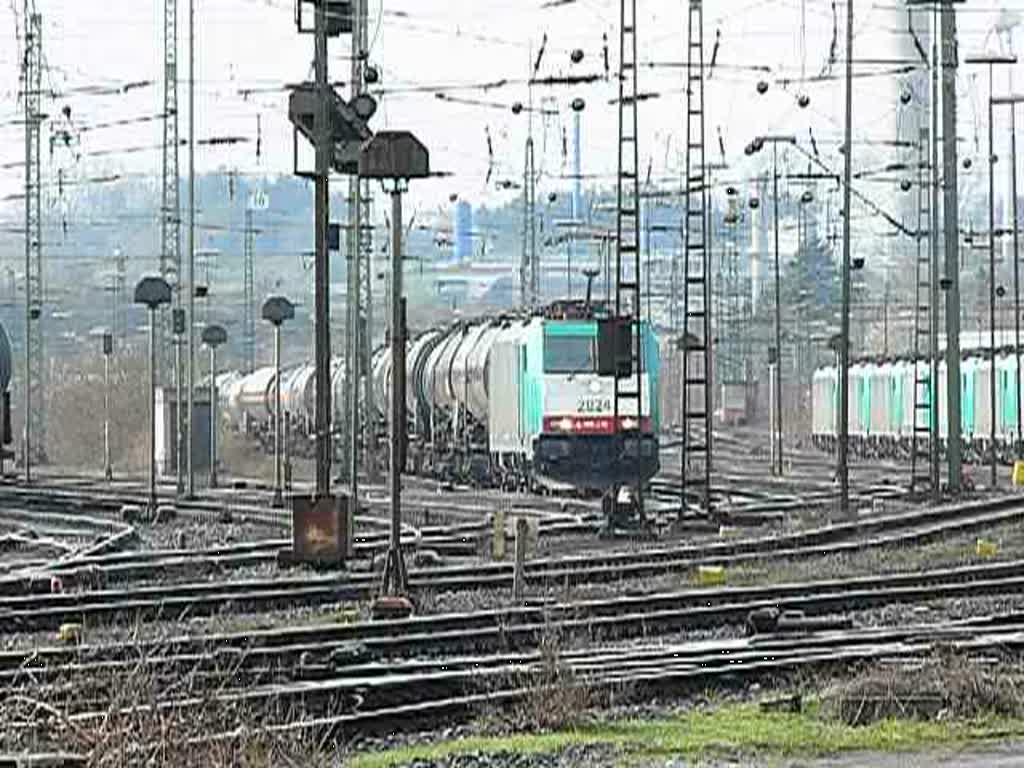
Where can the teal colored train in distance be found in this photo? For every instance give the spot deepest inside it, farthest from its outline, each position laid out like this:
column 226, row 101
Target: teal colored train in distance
column 882, row 405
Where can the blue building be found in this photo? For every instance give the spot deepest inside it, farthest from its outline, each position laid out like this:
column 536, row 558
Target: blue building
column 463, row 234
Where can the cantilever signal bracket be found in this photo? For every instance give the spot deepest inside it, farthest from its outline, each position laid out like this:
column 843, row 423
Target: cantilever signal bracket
column 348, row 128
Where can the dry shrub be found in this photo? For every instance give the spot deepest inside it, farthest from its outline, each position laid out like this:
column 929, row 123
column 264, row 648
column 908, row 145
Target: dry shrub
column 145, row 716
column 243, row 456
column 75, row 412
column 945, row 685
column 553, row 697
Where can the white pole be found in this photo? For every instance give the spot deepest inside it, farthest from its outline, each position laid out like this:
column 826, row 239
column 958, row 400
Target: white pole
column 277, row 417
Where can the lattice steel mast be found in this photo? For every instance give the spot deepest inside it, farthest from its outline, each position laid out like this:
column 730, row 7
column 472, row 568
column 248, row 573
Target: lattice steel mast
column 731, row 362
column 357, row 256
column 170, row 204
column 249, row 292
column 35, row 368
column 366, row 330
column 628, row 310
column 696, row 280
column 529, row 271
column 925, row 354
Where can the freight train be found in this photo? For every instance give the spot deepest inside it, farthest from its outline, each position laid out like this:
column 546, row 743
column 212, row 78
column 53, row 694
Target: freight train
column 882, row 410
column 511, row 401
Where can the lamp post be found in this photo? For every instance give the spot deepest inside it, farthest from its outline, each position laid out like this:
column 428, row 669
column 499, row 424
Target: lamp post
column 991, row 61
column 108, row 348
column 213, row 336
column 178, row 328
column 835, row 343
column 276, row 310
column 756, row 146
column 395, row 156
column 153, row 292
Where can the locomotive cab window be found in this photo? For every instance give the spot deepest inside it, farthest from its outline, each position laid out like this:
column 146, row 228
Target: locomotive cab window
column 570, row 354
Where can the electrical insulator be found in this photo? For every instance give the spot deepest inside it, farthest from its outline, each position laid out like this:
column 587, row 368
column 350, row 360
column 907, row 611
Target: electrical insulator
column 517, row 107
column 576, row 56
column 803, row 100
column 905, row 185
column 578, row 104
column 371, row 75
column 762, row 87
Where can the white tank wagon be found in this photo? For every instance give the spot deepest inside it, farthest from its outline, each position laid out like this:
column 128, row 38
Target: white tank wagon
column 250, row 402
column 6, row 360
column 6, row 372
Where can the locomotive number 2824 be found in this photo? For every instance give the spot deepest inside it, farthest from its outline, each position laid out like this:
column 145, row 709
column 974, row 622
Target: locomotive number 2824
column 593, row 405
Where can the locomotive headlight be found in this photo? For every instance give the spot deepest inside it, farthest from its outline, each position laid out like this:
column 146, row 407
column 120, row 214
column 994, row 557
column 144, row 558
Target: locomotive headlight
column 629, row 423
column 595, row 387
column 565, row 424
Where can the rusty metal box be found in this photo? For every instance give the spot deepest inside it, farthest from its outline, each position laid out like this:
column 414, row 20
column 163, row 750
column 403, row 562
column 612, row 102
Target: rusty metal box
column 321, row 529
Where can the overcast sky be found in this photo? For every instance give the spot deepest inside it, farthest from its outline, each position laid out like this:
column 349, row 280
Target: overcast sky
column 247, row 50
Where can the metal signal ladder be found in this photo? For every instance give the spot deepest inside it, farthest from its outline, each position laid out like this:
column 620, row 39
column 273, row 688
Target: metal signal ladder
column 696, row 327
column 923, row 443
column 628, row 391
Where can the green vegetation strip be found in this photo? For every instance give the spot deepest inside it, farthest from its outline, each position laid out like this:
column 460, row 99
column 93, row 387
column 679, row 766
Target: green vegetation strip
column 730, row 730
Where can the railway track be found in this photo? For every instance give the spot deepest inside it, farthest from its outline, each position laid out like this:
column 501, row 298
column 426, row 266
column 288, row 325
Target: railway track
column 404, row 699
column 31, row 612
column 640, row 616
column 394, row 696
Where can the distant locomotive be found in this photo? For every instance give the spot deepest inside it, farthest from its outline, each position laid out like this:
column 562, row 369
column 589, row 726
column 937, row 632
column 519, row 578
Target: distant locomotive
column 882, row 412
column 505, row 401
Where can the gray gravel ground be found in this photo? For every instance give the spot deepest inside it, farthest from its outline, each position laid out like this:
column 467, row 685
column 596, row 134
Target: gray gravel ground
column 189, row 533
column 1008, row 755
column 573, row 757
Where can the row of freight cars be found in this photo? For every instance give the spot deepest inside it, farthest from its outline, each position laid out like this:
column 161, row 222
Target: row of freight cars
column 502, row 400
column 882, row 412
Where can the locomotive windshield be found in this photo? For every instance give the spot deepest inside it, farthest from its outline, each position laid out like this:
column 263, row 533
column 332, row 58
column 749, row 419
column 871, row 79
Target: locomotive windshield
column 570, row 354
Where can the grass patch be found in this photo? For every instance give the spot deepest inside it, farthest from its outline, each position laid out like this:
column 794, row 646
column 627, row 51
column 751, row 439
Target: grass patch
column 741, row 729
column 744, row 729
column 522, row 744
